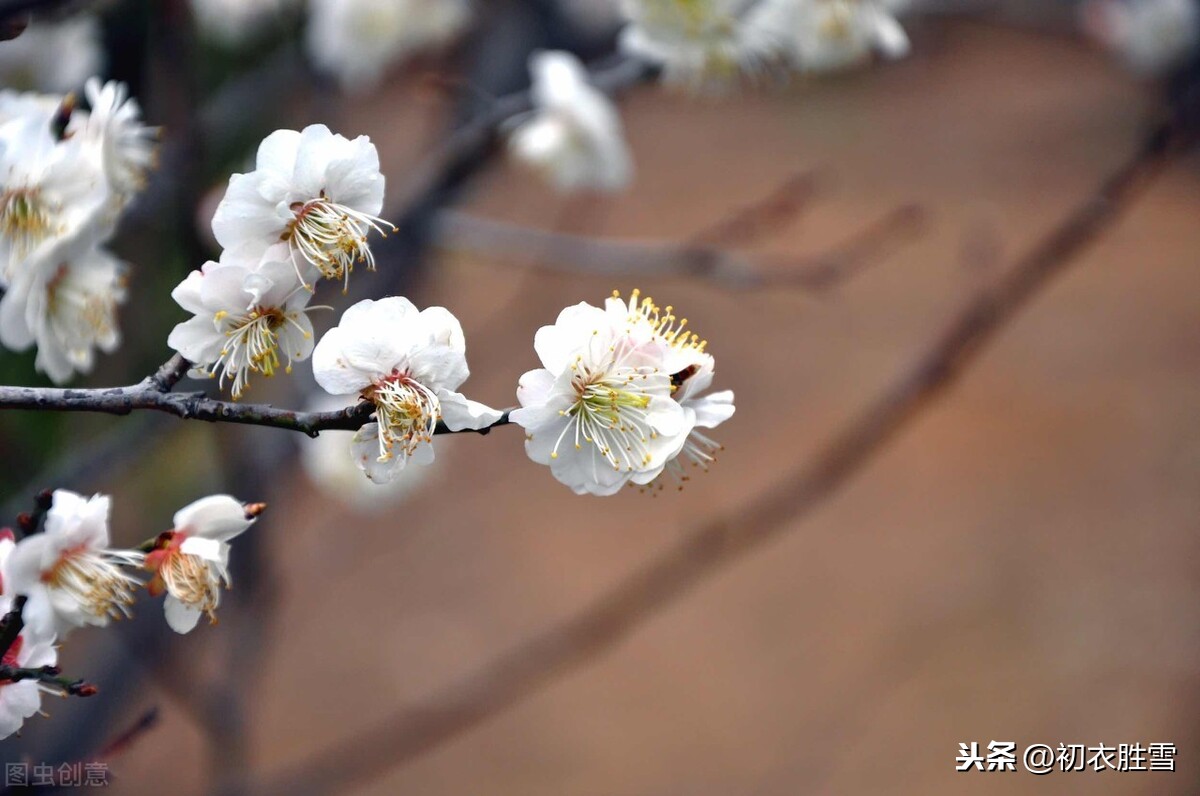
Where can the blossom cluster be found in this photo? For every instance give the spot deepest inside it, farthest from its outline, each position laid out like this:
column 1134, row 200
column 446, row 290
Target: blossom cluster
column 66, row 175
column 70, row 576
column 711, row 42
column 303, row 214
column 622, row 396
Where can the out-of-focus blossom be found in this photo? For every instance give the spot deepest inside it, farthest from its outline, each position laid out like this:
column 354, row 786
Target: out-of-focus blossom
column 52, row 56
column 332, row 468
column 114, row 124
column 827, row 35
column 599, row 412
column 358, row 40
column 250, row 317
column 574, row 136
column 409, row 364
column 705, row 43
column 65, row 174
column 23, row 699
column 234, row 22
column 65, row 301
column 190, row 562
column 51, row 190
column 317, row 191
column 1151, row 36
column 68, row 572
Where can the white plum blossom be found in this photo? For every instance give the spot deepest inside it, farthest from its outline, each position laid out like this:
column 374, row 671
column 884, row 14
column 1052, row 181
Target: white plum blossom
column 234, row 22
column 332, row 468
column 250, row 317
column 49, row 189
column 574, row 136
column 358, row 40
column 600, row 411
column 114, row 124
column 1152, row 36
column 691, row 369
column 705, row 43
column 317, row 191
column 408, row 363
column 68, row 572
column 190, row 562
column 827, row 35
column 65, row 301
column 22, row 699
column 53, row 56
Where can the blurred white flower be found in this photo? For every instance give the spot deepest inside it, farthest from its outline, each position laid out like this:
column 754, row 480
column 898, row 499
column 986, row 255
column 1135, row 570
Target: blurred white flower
column 600, row 412
column 574, row 136
column 50, row 190
column 316, row 190
column 53, row 56
column 191, row 561
column 1152, row 36
column 250, row 317
column 691, row 369
column 331, row 467
column 408, row 363
column 68, row 572
column 115, row 126
column 234, row 22
column 65, row 301
column 358, row 40
column 705, row 43
column 23, row 699
column 827, row 35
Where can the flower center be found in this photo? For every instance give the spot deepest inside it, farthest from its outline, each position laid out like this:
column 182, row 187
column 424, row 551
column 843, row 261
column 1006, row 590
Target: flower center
column 252, row 345
column 95, row 579
column 188, row 578
column 407, row 413
column 610, row 412
column 332, row 237
column 24, row 218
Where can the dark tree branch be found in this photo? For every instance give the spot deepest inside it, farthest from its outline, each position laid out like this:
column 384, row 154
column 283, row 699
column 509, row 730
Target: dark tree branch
column 579, row 640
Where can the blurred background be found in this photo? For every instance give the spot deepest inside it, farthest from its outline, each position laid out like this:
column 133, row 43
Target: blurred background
column 1020, row 564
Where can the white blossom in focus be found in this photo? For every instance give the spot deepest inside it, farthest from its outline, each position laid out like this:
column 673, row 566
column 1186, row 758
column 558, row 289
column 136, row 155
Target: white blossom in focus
column 574, row 135
column 68, row 572
column 53, row 56
column 704, row 43
column 114, row 124
column 317, row 191
column 358, row 40
column 600, row 411
column 234, row 22
column 1152, row 36
column 65, row 301
column 409, row 364
column 691, row 369
column 333, row 469
column 827, row 35
column 191, row 561
column 250, row 317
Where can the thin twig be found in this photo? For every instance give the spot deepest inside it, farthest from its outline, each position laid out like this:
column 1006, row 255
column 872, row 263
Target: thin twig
column 49, row 675
column 579, row 640
column 192, row 406
column 573, row 253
